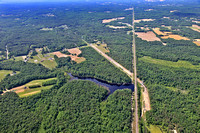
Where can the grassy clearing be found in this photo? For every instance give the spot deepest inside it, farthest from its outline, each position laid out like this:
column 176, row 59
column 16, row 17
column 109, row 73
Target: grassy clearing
column 18, row 58
column 102, row 47
column 29, row 92
column 154, row 129
column 183, row 64
column 46, row 60
column 176, row 89
column 3, row 73
column 79, row 60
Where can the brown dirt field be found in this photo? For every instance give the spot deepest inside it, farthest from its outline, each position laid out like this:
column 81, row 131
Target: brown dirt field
column 113, row 19
column 176, row 37
column 74, row 51
column 74, row 58
column 149, row 36
column 59, row 54
column 197, row 43
column 31, row 93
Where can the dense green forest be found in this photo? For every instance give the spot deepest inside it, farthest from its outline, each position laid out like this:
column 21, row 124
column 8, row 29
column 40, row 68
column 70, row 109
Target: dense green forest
column 174, row 94
column 78, row 106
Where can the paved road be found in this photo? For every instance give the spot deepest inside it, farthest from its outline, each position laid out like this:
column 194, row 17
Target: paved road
column 135, row 76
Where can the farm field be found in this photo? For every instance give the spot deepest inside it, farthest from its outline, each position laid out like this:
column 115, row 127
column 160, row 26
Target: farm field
column 197, row 42
column 176, row 37
column 30, row 92
column 195, row 28
column 74, row 53
column 148, row 36
column 24, row 90
column 166, row 35
column 179, row 64
column 112, row 19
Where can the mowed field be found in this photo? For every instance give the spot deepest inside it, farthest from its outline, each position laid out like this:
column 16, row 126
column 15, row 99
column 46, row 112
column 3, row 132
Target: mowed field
column 155, row 129
column 102, row 47
column 183, row 64
column 46, row 60
column 3, row 73
column 22, row 92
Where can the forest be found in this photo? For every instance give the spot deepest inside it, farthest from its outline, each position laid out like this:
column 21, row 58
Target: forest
column 98, row 67
column 78, row 106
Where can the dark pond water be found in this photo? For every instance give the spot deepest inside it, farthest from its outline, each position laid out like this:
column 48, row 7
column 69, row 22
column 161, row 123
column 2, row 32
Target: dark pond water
column 111, row 87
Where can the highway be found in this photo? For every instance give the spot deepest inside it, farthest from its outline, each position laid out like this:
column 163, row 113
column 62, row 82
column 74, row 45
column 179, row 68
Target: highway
column 135, row 76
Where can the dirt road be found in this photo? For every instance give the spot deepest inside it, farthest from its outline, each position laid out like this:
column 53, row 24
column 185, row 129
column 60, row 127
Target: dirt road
column 7, row 52
column 146, row 98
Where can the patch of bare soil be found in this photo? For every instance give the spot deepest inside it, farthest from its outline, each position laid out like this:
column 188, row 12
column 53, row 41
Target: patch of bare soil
column 176, row 37
column 18, row 89
column 74, row 51
column 116, row 27
column 113, row 19
column 197, row 42
column 59, row 54
column 145, row 20
column 148, row 36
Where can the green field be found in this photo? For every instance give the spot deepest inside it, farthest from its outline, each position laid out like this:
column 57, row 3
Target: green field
column 154, row 129
column 179, row 64
column 3, row 73
column 45, row 61
column 29, row 92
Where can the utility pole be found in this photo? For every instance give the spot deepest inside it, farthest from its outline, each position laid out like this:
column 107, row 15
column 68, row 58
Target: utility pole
column 135, row 75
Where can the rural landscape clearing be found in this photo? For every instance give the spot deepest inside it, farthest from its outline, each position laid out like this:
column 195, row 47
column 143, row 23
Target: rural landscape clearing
column 102, row 66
